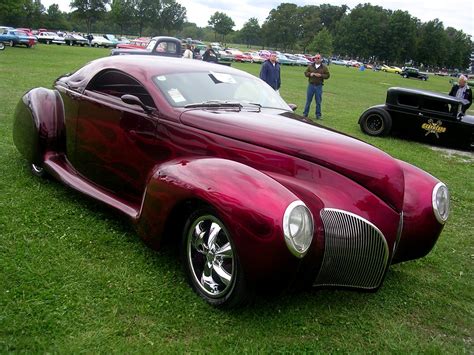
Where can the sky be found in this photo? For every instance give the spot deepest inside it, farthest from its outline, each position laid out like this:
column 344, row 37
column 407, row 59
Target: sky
column 453, row 13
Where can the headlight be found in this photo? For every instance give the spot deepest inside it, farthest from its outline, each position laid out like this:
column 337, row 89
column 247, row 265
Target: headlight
column 298, row 228
column 440, row 201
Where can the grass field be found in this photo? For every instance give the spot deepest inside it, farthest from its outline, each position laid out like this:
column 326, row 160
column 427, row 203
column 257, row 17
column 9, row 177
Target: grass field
column 74, row 277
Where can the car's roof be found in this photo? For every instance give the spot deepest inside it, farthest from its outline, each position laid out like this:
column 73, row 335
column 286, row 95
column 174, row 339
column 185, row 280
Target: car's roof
column 432, row 94
column 144, row 67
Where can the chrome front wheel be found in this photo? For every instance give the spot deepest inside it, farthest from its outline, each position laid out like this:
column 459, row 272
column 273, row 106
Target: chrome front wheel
column 211, row 261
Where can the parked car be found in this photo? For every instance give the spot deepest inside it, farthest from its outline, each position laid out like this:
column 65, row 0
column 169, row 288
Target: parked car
column 4, row 29
column 256, row 58
column 161, row 46
column 391, row 69
column 242, row 57
column 422, row 115
column 302, row 59
column 339, row 62
column 112, row 39
column 213, row 159
column 138, row 43
column 46, row 37
column 284, row 60
column 100, row 41
column 298, row 60
column 16, row 37
column 265, row 54
column 50, row 37
column 225, row 56
column 73, row 39
column 123, row 40
column 409, row 72
column 28, row 31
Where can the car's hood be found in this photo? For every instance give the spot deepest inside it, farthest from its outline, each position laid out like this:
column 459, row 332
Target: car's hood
column 359, row 161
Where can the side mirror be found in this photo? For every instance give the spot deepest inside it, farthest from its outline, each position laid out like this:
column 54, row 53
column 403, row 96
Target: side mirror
column 133, row 100
column 293, row 106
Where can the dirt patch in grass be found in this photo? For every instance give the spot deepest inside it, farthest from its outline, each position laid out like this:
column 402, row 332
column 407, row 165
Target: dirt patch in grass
column 460, row 155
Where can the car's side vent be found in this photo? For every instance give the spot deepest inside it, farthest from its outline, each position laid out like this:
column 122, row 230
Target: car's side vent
column 356, row 252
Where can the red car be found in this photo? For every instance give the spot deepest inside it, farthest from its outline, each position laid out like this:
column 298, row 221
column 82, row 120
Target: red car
column 212, row 158
column 243, row 57
column 138, row 43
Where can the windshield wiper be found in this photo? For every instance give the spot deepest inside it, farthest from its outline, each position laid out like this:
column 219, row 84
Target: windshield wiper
column 216, row 103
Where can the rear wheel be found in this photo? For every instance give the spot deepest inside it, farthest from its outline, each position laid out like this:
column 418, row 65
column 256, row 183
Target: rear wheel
column 375, row 122
column 405, row 76
column 211, row 262
column 96, row 45
column 423, row 78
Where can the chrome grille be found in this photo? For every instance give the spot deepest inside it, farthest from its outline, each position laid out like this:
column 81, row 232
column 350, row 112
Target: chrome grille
column 355, row 252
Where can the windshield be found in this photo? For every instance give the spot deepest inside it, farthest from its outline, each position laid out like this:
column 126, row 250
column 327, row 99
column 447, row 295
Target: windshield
column 192, row 88
column 151, row 45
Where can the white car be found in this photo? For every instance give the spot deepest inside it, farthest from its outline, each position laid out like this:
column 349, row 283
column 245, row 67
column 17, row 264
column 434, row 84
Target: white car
column 256, row 58
column 100, row 41
column 50, row 37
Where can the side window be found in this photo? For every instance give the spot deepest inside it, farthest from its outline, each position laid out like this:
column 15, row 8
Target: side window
column 116, row 83
column 408, row 100
column 166, row 47
column 436, row 105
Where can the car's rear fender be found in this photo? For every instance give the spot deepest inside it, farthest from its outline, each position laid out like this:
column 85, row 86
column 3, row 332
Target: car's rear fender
column 38, row 124
column 249, row 202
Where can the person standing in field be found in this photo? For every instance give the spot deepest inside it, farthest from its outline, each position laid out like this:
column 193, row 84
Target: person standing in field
column 188, row 53
column 270, row 72
column 316, row 73
column 462, row 91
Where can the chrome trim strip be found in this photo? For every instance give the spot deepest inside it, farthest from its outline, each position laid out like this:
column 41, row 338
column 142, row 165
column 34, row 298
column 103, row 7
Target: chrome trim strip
column 355, row 252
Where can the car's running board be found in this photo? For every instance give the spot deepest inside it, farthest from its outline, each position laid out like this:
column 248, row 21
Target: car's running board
column 58, row 167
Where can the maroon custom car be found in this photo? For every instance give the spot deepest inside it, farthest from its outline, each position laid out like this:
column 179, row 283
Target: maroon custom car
column 213, row 158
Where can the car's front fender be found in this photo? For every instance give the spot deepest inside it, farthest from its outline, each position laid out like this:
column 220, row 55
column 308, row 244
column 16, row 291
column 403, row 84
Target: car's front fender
column 249, row 202
column 420, row 227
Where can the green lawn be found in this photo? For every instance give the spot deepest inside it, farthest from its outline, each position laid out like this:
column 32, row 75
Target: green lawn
column 74, row 277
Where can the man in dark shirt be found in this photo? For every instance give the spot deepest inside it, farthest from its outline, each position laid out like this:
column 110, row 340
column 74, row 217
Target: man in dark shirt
column 270, row 72
column 209, row 55
column 462, row 91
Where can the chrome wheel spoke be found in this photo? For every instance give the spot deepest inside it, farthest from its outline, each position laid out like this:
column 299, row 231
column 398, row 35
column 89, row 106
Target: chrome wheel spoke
column 224, row 276
column 225, row 251
column 214, row 231
column 198, row 239
column 207, row 280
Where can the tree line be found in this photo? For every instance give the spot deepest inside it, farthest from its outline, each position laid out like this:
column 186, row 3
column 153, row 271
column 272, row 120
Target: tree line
column 366, row 32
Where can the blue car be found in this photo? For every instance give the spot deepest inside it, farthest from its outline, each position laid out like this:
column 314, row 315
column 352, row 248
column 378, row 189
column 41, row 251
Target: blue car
column 16, row 37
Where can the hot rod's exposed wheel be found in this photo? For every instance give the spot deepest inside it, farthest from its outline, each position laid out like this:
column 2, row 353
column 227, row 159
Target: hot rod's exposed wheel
column 375, row 122
column 211, row 262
